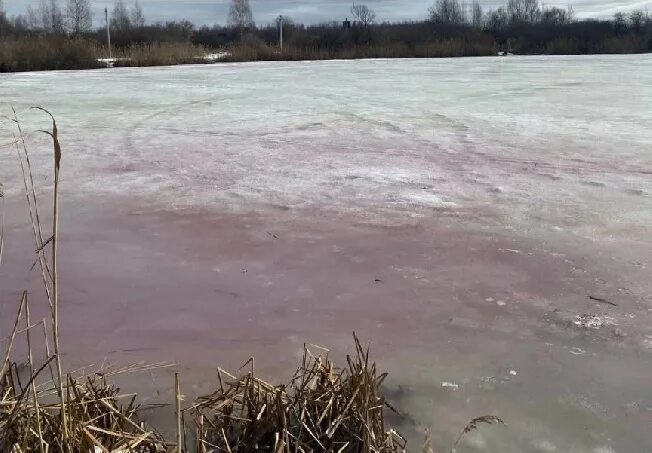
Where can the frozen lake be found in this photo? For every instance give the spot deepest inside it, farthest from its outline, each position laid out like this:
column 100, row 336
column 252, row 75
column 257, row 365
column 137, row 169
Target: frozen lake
column 456, row 213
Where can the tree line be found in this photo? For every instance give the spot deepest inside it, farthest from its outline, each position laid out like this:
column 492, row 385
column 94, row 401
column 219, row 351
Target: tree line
column 448, row 28
column 74, row 18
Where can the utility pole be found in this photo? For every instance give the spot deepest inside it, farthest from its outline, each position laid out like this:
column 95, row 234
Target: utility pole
column 108, row 32
column 280, row 32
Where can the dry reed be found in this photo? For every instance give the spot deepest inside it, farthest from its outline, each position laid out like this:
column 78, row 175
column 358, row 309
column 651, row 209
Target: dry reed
column 322, row 408
column 71, row 414
column 2, row 220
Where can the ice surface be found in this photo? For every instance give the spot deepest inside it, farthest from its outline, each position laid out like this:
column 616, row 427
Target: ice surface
column 544, row 142
column 455, row 213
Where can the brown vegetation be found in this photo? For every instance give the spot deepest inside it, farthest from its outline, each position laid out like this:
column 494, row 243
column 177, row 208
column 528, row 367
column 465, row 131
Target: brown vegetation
column 34, row 53
column 56, row 53
column 160, row 54
column 322, row 408
column 436, row 49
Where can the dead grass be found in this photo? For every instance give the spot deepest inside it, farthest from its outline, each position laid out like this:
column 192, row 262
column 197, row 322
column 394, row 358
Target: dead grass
column 322, row 408
column 161, row 54
column 98, row 417
column 36, row 53
column 251, row 50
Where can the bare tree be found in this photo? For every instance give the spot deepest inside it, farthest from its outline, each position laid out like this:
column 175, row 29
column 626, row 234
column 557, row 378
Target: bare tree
column 58, row 25
column 555, row 16
column 79, row 16
column 137, row 15
column 637, row 19
column 620, row 24
column 43, row 15
column 363, row 14
column 32, row 18
column 523, row 11
column 50, row 17
column 240, row 15
column 20, row 22
column 477, row 14
column 120, row 19
column 533, row 11
column 446, row 12
column 497, row 20
column 2, row 11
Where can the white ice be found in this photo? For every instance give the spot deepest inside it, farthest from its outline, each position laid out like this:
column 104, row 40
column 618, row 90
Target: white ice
column 541, row 142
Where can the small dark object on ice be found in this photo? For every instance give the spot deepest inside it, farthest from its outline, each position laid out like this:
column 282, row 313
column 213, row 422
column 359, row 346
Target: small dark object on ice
column 604, row 301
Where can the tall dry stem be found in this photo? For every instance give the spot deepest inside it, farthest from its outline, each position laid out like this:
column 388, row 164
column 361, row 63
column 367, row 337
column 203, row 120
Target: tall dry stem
column 12, row 338
column 177, row 406
column 32, row 204
column 2, row 220
column 30, row 358
column 54, row 276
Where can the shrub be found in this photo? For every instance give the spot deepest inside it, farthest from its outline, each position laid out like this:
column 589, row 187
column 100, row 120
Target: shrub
column 51, row 52
column 161, row 54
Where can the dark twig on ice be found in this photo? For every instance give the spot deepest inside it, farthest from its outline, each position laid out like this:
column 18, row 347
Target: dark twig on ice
column 604, row 301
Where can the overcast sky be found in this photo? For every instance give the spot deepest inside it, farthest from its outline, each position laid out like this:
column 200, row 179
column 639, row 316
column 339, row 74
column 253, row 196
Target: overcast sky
column 315, row 11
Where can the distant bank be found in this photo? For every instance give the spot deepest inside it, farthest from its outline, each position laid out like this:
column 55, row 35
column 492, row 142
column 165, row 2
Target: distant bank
column 180, row 43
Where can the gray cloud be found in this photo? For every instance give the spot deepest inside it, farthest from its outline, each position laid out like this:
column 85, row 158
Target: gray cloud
column 315, row 11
